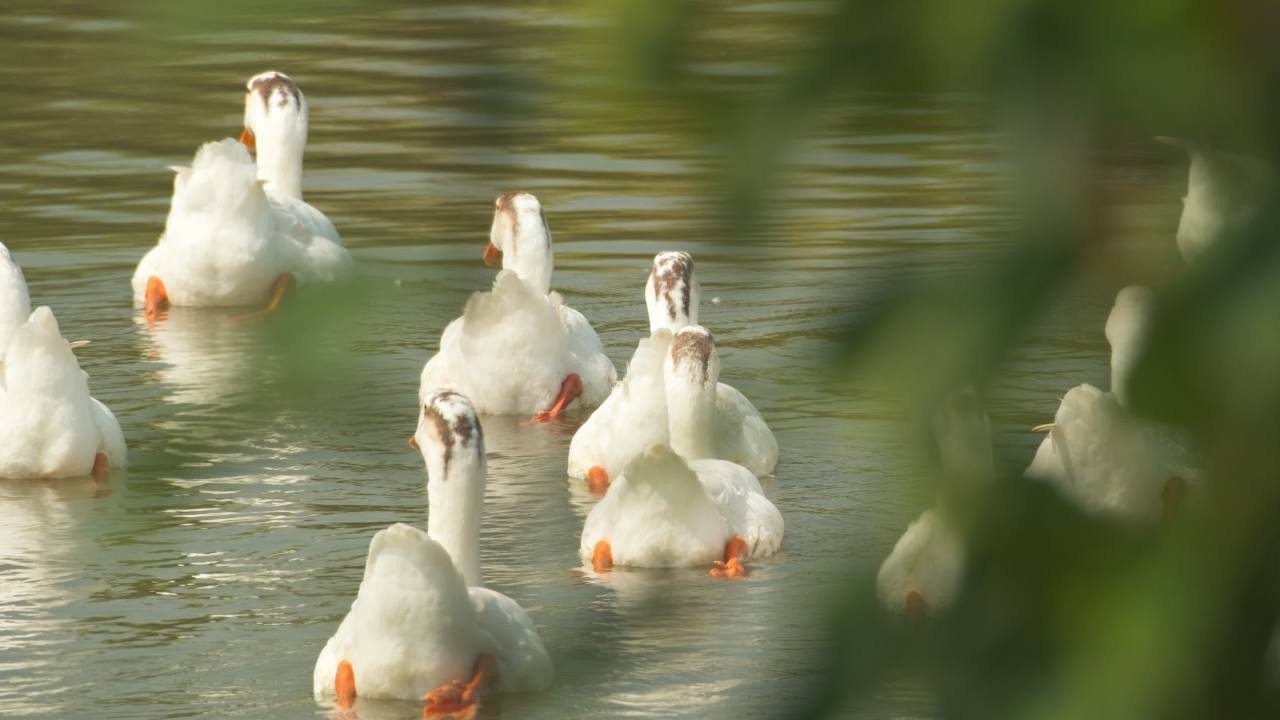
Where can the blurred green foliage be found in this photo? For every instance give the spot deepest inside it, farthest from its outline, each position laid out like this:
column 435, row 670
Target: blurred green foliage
column 1061, row 616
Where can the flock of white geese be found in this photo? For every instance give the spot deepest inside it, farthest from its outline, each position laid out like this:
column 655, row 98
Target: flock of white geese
column 675, row 454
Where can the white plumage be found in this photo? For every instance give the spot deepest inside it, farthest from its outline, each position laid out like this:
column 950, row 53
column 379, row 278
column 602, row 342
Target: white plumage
column 929, row 560
column 234, row 226
column 1223, row 192
column 49, row 424
column 421, row 617
column 1097, row 453
column 643, row 409
column 924, row 571
column 415, row 625
column 514, row 346
column 664, row 512
column 632, row 418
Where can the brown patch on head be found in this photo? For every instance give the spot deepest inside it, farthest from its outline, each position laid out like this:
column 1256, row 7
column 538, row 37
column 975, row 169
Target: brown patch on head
column 266, row 84
column 505, row 205
column 673, row 273
column 440, row 426
column 453, row 422
column 693, row 346
column 506, row 201
column 463, row 427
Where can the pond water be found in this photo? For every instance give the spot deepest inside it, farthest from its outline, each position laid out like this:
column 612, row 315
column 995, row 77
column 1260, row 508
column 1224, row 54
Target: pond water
column 204, row 580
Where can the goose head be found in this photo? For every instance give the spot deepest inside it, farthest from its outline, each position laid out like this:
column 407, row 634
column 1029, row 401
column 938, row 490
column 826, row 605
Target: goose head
column 520, row 240
column 1126, row 331
column 452, row 445
column 275, row 125
column 691, row 372
column 672, row 292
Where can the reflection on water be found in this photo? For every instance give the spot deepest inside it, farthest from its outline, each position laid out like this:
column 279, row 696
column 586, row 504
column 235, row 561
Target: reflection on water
column 202, row 354
column 262, row 459
column 44, row 554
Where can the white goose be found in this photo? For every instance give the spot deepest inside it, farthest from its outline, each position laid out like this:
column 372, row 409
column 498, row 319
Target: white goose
column 50, row 427
column 679, row 506
column 1101, row 456
column 238, row 233
column 422, row 625
column 923, row 572
column 49, row 424
column 518, row 348
column 636, row 413
column 1223, row 192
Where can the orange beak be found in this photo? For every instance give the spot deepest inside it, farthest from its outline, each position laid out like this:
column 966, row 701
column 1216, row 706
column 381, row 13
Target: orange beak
column 492, row 256
column 413, row 441
column 246, row 139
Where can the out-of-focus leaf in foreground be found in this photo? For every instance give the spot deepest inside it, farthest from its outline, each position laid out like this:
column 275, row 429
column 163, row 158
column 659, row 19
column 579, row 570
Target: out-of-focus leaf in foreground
column 1061, row 615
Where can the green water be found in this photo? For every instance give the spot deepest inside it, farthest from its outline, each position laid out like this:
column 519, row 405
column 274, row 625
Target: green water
column 204, row 581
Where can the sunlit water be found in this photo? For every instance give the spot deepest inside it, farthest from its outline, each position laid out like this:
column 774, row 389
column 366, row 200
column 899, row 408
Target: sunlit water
column 204, row 581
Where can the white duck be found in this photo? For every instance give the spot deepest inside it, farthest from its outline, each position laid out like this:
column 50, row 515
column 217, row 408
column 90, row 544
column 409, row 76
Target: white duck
column 15, row 304
column 922, row 574
column 635, row 415
column 50, row 426
column 1101, row 456
column 421, row 622
column 666, row 512
column 678, row 505
column 518, row 348
column 632, row 418
column 1223, row 192
column 238, row 233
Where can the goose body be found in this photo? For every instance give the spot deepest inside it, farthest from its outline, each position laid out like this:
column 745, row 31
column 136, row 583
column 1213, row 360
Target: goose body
column 1107, row 461
column 638, row 411
column 742, row 435
column 1101, row 456
column 665, row 512
column 632, row 418
column 422, row 619
column 415, row 625
column 50, row 426
column 924, row 571
column 516, row 347
column 1223, row 192
column 235, row 226
column 679, row 505
column 925, row 568
column 635, row 416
